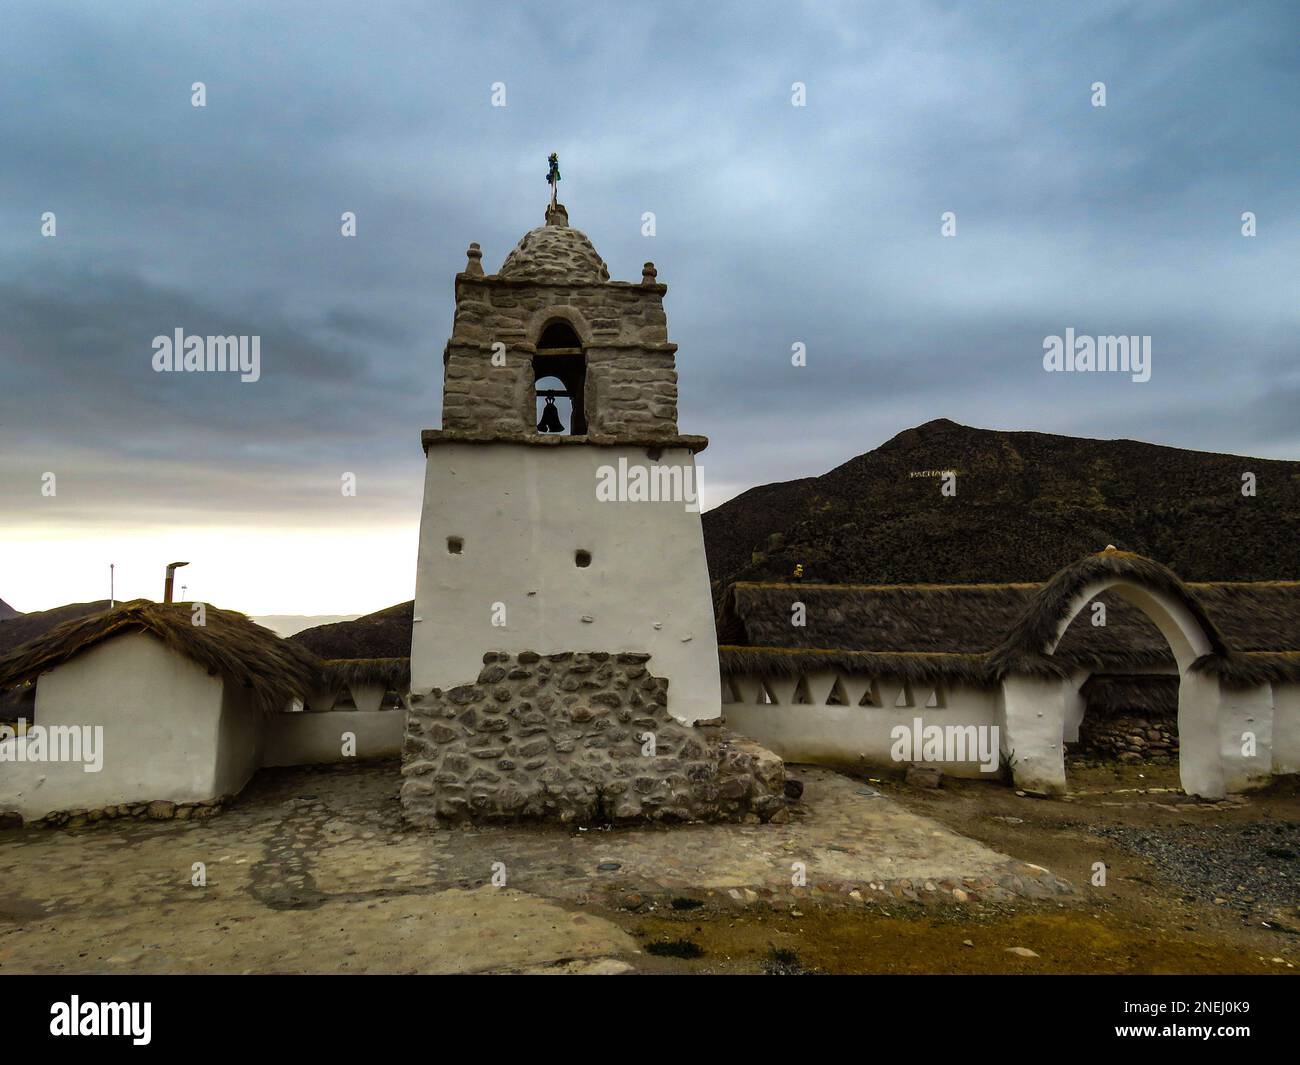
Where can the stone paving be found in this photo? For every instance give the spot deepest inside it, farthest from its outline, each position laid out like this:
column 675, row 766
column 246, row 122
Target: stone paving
column 313, row 870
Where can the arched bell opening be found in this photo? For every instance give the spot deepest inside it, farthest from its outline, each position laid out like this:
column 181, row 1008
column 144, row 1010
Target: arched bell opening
column 560, row 376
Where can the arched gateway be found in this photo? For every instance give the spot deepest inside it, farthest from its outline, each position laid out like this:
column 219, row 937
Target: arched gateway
column 1224, row 729
column 995, row 662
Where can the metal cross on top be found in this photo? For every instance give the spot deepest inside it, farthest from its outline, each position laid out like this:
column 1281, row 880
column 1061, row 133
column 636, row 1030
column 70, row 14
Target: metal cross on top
column 553, row 176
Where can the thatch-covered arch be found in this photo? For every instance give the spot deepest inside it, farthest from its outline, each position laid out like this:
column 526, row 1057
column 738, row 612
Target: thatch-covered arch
column 1193, row 639
column 1152, row 588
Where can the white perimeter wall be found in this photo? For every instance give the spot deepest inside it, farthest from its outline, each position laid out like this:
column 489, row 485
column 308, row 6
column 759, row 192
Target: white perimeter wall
column 317, row 738
column 1286, row 728
column 817, row 732
column 522, row 511
column 162, row 717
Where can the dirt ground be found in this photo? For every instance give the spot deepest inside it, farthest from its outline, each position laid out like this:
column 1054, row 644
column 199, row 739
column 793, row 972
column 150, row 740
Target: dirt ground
column 313, row 870
column 1146, row 919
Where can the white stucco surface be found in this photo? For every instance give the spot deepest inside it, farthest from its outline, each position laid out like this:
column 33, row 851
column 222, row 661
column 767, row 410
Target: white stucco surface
column 162, row 717
column 850, row 735
column 521, row 513
column 1286, row 728
column 317, row 739
column 1032, row 719
column 1246, row 736
column 368, row 697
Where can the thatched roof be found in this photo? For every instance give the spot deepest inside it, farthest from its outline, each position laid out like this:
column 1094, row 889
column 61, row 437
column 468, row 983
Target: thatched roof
column 1253, row 627
column 1147, row 694
column 394, row 673
column 18, row 630
column 917, row 666
column 383, row 634
column 228, row 645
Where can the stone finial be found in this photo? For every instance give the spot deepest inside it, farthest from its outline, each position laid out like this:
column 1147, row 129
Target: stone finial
column 556, row 215
column 648, row 274
column 475, row 264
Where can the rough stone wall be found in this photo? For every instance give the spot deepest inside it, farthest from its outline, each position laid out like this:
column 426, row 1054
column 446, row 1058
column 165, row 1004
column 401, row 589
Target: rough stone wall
column 631, row 391
column 563, row 737
column 158, row 810
column 1127, row 738
column 631, row 376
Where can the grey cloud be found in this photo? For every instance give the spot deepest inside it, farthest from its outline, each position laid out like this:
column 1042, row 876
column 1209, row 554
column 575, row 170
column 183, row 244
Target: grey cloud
column 775, row 224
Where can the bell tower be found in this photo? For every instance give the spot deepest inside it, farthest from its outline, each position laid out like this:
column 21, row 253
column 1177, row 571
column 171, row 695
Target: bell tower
column 552, row 313
column 561, row 506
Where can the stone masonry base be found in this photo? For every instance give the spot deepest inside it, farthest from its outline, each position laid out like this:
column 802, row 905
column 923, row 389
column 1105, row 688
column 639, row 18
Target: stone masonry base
column 580, row 738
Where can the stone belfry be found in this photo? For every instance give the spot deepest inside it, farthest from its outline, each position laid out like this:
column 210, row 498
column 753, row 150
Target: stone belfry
column 557, row 314
column 561, row 506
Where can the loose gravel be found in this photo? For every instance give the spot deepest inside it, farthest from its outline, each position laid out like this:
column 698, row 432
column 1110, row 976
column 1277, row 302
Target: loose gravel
column 1251, row 866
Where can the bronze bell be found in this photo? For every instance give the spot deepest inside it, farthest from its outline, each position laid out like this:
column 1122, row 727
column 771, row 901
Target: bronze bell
column 550, row 422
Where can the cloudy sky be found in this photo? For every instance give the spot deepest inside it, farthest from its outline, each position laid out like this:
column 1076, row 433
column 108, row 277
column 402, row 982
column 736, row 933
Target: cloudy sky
column 776, row 224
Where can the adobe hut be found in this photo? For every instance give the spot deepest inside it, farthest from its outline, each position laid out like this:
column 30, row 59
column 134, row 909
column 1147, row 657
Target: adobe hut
column 142, row 706
column 169, row 710
column 802, row 661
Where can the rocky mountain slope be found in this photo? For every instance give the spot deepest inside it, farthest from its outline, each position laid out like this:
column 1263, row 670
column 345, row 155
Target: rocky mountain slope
column 1026, row 504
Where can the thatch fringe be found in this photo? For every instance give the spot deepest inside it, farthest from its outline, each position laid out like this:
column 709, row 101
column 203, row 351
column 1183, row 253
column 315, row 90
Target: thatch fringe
column 395, row 673
column 229, row 645
column 1245, row 669
column 974, row 669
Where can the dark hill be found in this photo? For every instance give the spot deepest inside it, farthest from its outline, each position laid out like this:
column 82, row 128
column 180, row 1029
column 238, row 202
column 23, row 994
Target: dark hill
column 384, row 634
column 1026, row 505
column 17, row 630
column 7, row 612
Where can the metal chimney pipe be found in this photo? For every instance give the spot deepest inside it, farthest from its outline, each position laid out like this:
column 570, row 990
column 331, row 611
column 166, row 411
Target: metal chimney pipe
column 172, row 567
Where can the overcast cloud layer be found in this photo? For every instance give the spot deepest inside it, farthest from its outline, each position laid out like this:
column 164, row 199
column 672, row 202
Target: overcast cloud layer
column 776, row 224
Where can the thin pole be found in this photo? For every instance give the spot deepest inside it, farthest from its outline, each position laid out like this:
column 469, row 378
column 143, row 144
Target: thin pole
column 112, row 598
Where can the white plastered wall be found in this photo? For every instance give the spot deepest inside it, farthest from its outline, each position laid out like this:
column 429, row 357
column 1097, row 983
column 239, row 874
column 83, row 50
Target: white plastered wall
column 820, row 732
column 1246, row 736
column 522, row 512
column 1286, row 728
column 1031, row 716
column 318, row 738
column 162, row 717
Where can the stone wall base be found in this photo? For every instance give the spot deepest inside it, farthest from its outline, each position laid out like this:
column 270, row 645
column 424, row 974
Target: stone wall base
column 578, row 738
column 1127, row 738
column 158, row 810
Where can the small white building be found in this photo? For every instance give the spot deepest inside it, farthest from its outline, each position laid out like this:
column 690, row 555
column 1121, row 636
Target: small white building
column 141, row 705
